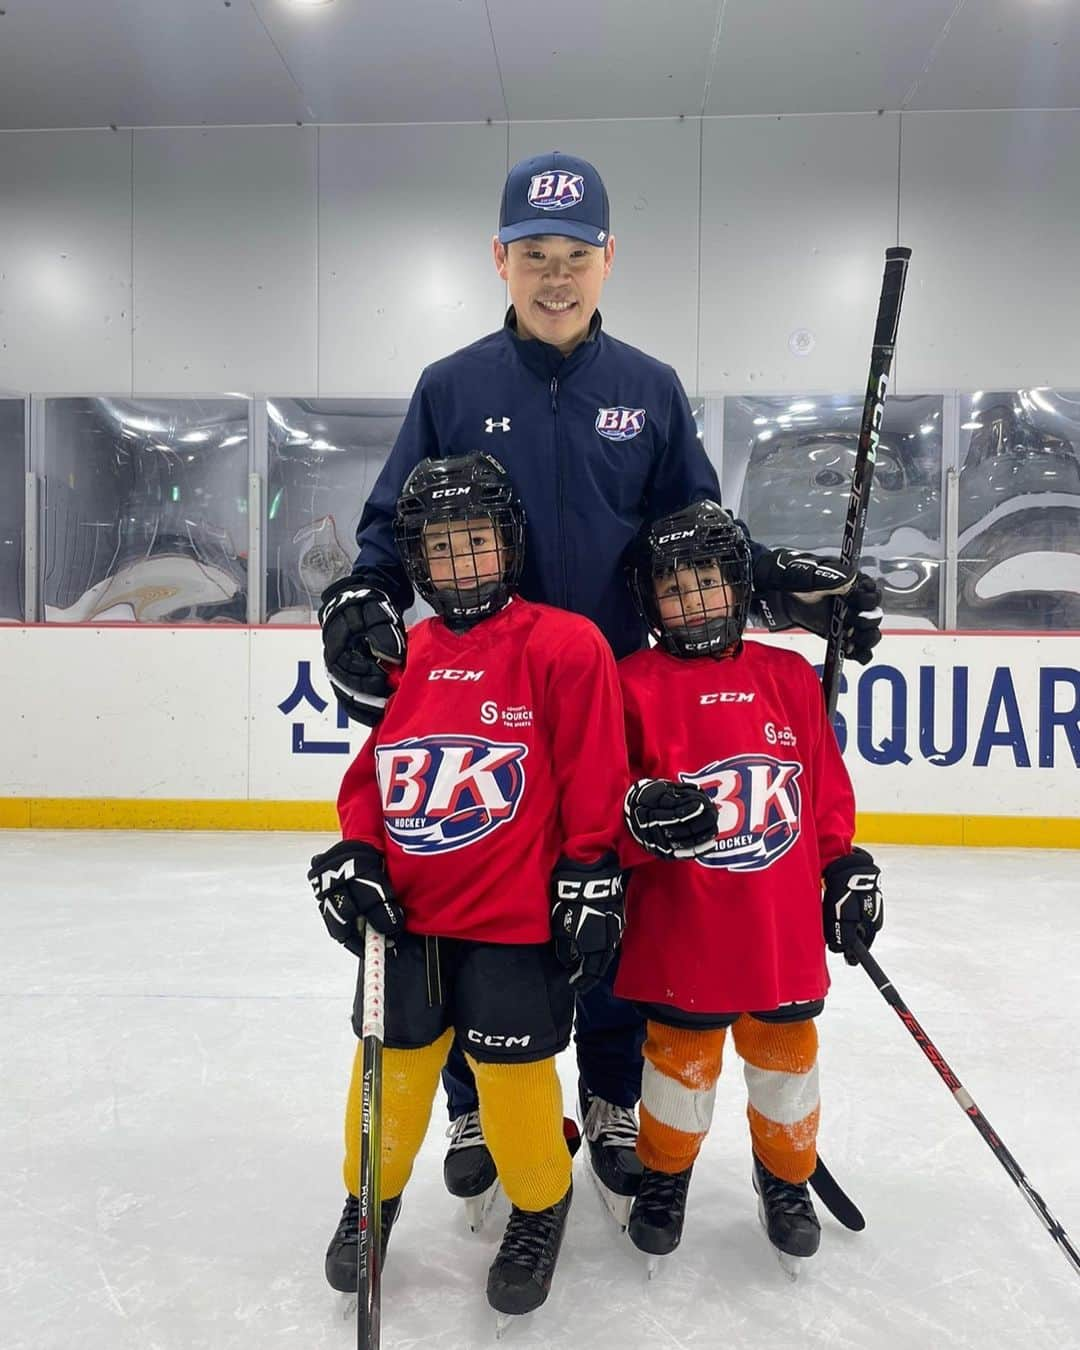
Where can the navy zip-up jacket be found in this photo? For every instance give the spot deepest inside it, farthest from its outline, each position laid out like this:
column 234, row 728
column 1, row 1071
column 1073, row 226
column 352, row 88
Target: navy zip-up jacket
column 595, row 442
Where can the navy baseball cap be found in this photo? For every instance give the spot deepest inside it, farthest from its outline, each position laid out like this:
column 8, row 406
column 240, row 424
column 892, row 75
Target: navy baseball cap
column 554, row 194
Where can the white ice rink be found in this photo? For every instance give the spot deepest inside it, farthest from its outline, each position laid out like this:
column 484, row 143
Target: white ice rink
column 175, row 1046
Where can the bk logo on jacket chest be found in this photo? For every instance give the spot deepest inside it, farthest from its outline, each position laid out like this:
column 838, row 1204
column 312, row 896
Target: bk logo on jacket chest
column 620, row 424
column 441, row 793
column 759, row 808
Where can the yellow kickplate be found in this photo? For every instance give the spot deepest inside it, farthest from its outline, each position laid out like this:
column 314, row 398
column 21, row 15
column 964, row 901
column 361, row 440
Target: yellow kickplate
column 123, row 813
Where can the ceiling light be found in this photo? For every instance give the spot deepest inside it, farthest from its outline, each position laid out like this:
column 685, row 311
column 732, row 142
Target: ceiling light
column 311, row 4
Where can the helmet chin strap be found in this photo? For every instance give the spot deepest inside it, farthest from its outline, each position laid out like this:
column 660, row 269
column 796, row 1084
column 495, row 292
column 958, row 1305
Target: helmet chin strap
column 687, row 638
column 474, row 598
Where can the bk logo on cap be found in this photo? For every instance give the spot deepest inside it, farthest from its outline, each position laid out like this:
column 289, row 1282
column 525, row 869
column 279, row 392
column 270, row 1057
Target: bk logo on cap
column 556, row 190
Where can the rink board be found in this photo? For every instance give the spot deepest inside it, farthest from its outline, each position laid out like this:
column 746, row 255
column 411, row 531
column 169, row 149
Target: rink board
column 949, row 738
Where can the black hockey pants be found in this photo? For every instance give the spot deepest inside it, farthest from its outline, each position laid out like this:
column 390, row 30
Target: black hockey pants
column 608, row 1036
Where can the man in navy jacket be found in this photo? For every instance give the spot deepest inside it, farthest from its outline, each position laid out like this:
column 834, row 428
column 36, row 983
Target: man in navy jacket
column 597, row 437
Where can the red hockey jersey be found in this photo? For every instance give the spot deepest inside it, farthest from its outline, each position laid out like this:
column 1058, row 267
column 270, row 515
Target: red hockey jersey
column 738, row 929
column 501, row 750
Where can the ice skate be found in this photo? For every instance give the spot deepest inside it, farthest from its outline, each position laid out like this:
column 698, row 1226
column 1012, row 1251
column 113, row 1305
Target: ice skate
column 787, row 1215
column 658, row 1213
column 611, row 1135
column 469, row 1169
column 520, row 1276
column 342, row 1254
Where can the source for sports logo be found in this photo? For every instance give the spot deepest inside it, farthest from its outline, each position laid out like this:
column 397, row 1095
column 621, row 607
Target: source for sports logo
column 556, row 191
column 620, row 424
column 759, row 807
column 441, row 793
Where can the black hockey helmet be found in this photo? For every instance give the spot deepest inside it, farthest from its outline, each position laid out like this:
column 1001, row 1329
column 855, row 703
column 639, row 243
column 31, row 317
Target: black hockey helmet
column 464, row 575
column 692, row 553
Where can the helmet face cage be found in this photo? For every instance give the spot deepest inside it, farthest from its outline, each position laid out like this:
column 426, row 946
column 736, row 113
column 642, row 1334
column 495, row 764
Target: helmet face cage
column 460, row 531
column 692, row 582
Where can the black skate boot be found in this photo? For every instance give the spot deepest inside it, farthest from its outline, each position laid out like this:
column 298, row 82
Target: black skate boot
column 656, row 1219
column 469, row 1169
column 787, row 1215
column 611, row 1134
column 520, row 1276
column 342, row 1254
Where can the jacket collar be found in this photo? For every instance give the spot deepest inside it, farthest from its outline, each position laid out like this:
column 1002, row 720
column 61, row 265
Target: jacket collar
column 547, row 361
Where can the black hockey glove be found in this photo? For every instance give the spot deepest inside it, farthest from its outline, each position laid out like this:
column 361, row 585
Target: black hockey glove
column 672, row 820
column 852, row 904
column 350, row 885
column 794, row 589
column 360, row 628
column 586, row 917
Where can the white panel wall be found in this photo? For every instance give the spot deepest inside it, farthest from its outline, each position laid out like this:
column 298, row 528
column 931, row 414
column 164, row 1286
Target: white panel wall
column 259, row 268
column 796, row 214
column 990, row 203
column 950, row 724
column 405, row 268
column 651, row 172
column 225, row 233
column 65, row 261
column 119, row 712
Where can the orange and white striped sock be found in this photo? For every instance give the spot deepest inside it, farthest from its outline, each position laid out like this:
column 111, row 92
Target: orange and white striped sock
column 678, row 1088
column 780, row 1063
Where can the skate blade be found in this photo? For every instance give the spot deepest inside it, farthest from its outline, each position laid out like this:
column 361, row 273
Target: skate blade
column 652, row 1267
column 348, row 1307
column 792, row 1266
column 503, row 1323
column 478, row 1207
column 618, row 1206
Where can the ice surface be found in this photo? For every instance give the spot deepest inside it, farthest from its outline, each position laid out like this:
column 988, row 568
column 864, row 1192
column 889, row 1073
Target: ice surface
column 174, row 1051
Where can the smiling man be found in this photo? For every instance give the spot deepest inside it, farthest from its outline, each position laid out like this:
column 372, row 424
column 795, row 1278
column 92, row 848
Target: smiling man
column 555, row 278
column 597, row 438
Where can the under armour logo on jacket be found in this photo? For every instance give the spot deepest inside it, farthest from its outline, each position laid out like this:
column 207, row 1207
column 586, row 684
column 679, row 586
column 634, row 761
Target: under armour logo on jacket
column 501, row 423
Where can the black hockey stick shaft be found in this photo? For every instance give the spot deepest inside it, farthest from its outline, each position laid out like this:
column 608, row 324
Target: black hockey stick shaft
column 964, row 1100
column 881, row 359
column 832, row 1195
column 369, row 1260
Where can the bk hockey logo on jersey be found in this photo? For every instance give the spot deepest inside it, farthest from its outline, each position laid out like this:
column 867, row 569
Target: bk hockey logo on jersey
column 620, row 424
column 759, row 805
column 556, row 191
column 441, row 793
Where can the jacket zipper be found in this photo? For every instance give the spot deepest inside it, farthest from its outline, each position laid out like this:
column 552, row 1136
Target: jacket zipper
column 554, row 388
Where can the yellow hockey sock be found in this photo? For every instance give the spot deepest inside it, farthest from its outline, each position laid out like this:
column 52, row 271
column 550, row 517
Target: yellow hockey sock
column 410, row 1078
column 521, row 1115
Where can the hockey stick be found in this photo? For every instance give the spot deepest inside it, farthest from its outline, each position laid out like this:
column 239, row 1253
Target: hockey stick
column 834, row 1198
column 369, row 1259
column 881, row 358
column 892, row 294
column 888, row 992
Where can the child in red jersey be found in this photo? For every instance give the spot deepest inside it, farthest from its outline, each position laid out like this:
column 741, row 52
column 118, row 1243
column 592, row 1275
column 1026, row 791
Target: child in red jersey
column 740, row 780
column 482, row 815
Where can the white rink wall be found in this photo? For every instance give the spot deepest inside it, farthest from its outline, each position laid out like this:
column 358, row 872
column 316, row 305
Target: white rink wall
column 938, row 724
